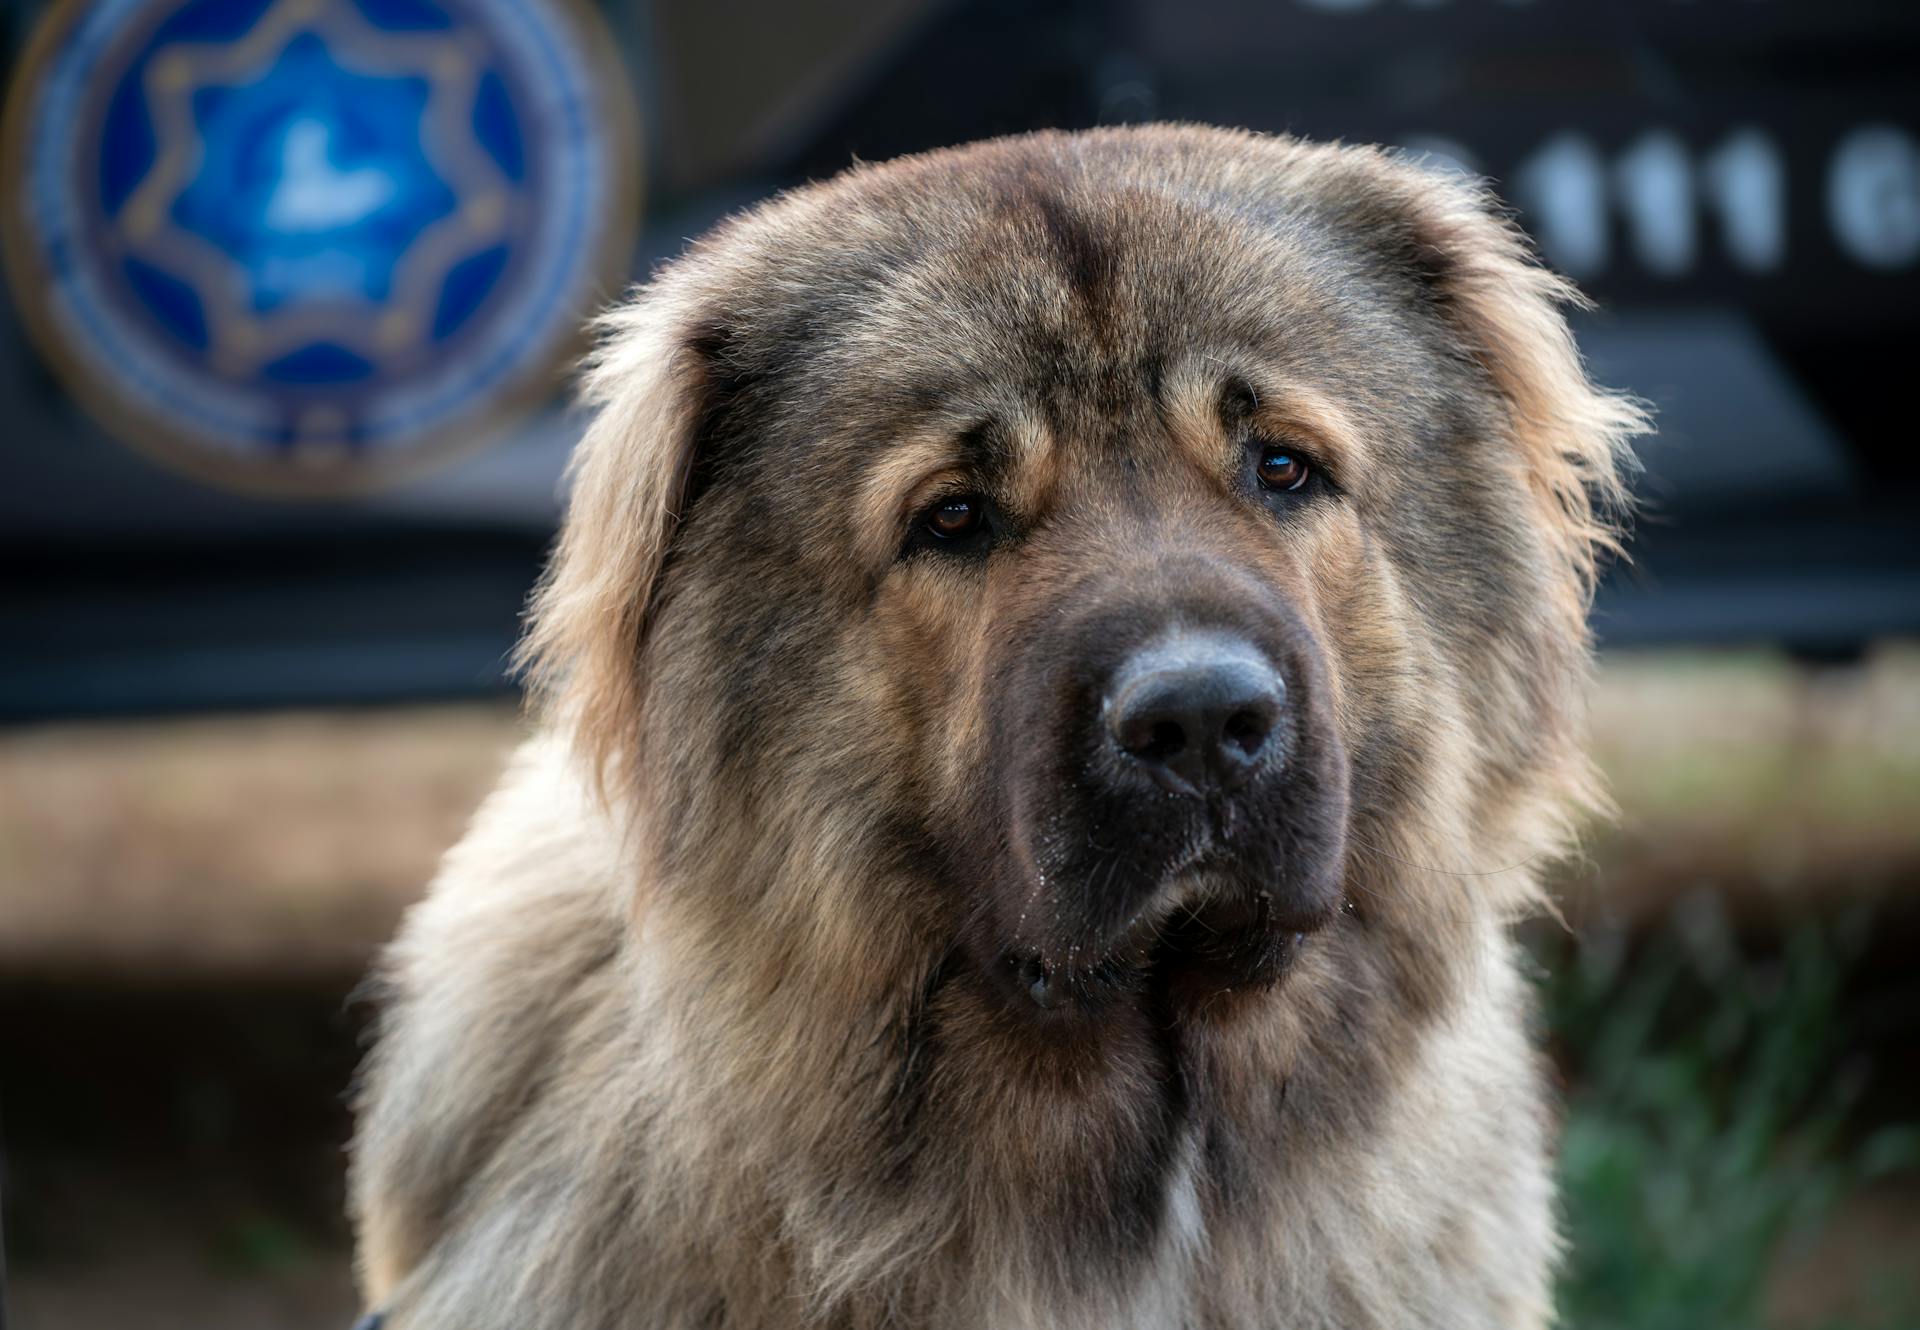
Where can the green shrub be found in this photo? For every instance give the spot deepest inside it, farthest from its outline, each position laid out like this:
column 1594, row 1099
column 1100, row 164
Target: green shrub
column 1711, row 1119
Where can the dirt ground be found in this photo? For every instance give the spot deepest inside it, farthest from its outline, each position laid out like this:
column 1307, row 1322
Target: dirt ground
column 186, row 906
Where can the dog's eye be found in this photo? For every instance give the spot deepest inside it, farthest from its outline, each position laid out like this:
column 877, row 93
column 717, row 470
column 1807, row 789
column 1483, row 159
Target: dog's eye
column 1281, row 469
column 956, row 518
column 959, row 524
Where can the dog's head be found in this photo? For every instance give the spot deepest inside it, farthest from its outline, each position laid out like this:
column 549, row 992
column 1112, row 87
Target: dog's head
column 1089, row 555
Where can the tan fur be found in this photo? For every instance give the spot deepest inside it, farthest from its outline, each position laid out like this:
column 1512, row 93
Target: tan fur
column 683, row 1037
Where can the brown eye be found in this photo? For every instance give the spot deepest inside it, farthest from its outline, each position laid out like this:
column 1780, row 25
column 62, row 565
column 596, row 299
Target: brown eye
column 955, row 518
column 1282, row 470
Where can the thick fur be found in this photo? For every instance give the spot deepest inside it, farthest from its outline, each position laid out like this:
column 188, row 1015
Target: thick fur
column 700, row 1025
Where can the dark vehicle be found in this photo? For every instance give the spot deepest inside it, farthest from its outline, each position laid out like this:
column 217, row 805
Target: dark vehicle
column 1736, row 183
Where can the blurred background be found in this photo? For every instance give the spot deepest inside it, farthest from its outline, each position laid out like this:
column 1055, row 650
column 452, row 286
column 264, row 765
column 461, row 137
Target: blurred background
column 292, row 287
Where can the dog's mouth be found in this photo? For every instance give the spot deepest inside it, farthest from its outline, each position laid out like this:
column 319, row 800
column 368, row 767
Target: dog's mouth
column 1211, row 935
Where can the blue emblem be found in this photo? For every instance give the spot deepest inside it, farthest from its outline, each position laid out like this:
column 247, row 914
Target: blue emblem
column 302, row 244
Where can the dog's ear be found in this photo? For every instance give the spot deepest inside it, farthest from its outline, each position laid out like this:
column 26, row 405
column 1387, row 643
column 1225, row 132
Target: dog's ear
column 1507, row 309
column 1504, row 311
column 583, row 650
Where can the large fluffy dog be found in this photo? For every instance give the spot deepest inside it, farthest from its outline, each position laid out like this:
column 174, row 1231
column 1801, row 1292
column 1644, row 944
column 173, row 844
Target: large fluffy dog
column 1062, row 660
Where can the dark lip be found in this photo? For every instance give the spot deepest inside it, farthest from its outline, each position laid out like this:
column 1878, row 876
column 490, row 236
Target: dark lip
column 1228, row 944
column 1208, row 932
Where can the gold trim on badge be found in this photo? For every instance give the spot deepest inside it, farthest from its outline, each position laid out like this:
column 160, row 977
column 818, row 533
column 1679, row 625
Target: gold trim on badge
column 319, row 465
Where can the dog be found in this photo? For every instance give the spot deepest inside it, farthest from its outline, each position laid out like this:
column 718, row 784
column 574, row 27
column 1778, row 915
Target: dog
column 1061, row 665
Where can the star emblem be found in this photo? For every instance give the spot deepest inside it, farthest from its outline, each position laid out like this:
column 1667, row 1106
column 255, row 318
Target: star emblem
column 305, row 246
column 314, row 185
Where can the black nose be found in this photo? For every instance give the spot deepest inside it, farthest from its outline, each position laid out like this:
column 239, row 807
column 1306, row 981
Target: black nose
column 1199, row 712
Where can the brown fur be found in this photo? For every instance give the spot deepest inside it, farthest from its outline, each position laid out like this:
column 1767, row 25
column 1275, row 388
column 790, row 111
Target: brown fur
column 700, row 1025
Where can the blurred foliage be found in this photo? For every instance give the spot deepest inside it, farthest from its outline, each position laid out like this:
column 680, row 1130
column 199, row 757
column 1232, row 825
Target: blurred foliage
column 1712, row 1122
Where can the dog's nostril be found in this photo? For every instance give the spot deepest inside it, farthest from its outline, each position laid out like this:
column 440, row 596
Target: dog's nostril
column 1163, row 741
column 1247, row 731
column 1198, row 712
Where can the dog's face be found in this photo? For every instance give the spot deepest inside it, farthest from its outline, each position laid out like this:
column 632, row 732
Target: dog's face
column 1087, row 558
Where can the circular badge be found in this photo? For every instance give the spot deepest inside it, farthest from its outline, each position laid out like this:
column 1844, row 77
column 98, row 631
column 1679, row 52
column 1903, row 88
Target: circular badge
column 306, row 245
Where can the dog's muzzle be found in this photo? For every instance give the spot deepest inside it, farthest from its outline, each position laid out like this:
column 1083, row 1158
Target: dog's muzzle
column 1178, row 798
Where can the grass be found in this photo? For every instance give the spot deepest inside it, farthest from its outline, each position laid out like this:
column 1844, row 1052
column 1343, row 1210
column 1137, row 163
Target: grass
column 1714, row 1123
